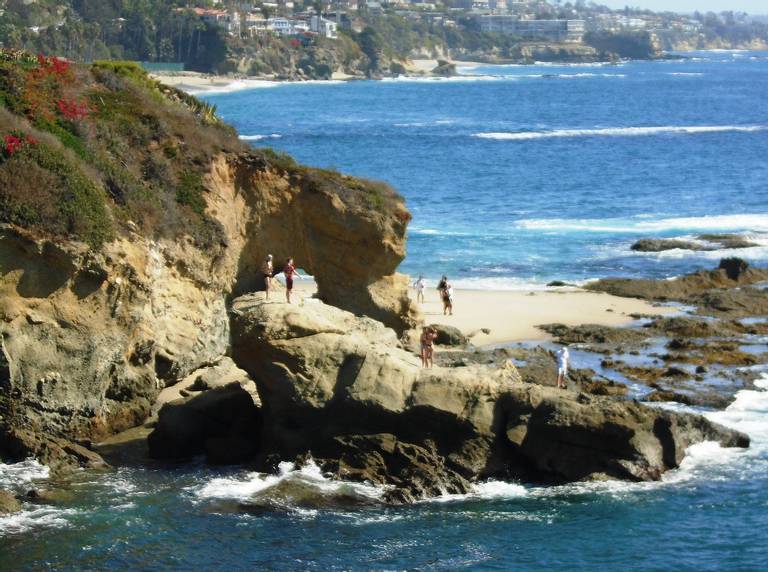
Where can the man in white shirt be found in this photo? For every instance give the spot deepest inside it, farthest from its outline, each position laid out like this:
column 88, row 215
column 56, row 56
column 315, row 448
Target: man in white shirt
column 419, row 285
column 562, row 366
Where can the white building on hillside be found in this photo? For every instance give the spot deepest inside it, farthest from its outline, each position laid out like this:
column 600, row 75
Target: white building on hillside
column 551, row 30
column 287, row 26
column 323, row 27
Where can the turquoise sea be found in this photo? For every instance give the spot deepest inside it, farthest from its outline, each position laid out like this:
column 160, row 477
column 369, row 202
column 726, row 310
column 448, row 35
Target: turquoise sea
column 515, row 176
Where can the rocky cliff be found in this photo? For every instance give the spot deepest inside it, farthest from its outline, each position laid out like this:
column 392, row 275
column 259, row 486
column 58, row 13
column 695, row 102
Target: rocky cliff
column 99, row 313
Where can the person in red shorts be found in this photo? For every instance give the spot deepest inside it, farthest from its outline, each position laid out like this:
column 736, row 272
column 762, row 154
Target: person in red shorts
column 290, row 271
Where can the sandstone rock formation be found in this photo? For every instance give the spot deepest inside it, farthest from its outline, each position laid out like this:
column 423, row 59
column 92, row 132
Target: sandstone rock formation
column 348, row 234
column 219, row 417
column 88, row 337
column 338, row 387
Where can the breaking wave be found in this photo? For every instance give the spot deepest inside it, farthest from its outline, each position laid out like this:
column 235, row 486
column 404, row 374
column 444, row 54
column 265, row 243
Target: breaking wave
column 733, row 222
column 620, row 132
column 260, row 137
column 291, row 489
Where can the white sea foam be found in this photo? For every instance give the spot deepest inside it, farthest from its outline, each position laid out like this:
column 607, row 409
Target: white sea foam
column 454, row 78
column 686, row 74
column 309, row 479
column 640, row 224
column 621, row 132
column 260, row 137
column 16, row 475
column 42, row 517
column 489, row 490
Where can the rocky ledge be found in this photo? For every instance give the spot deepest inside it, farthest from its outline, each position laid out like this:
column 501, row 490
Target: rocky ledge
column 341, row 388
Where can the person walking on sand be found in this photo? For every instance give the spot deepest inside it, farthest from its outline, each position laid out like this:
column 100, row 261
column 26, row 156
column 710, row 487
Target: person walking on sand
column 428, row 337
column 441, row 286
column 419, row 286
column 290, row 271
column 562, row 367
column 268, row 271
column 447, row 294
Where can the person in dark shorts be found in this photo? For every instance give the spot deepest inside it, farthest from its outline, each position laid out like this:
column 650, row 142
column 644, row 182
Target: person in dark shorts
column 268, row 271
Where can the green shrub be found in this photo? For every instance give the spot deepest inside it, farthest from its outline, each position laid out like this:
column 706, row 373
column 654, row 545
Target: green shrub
column 69, row 203
column 190, row 192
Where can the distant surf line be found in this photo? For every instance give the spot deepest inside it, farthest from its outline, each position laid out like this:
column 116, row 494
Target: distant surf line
column 621, row 132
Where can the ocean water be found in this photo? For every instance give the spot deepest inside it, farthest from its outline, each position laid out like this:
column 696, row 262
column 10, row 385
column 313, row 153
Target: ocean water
column 710, row 514
column 515, row 175
column 518, row 175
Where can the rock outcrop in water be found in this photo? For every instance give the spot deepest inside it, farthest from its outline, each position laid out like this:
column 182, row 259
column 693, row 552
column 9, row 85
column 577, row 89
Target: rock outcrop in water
column 732, row 290
column 339, row 387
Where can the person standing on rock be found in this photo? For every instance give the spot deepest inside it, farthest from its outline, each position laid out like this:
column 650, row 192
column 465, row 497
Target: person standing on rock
column 562, row 367
column 428, row 337
column 290, row 271
column 267, row 270
column 419, row 286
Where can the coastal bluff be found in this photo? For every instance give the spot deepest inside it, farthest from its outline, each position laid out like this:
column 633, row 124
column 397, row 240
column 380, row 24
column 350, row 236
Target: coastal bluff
column 135, row 265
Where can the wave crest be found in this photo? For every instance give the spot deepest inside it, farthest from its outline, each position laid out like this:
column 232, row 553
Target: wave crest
column 620, row 132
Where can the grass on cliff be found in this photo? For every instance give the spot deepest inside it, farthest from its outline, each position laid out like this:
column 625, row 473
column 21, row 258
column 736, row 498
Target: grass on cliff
column 86, row 149
column 358, row 194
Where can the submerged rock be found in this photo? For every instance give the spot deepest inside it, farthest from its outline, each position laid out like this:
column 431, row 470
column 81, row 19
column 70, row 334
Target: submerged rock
column 662, row 244
column 710, row 242
column 593, row 334
column 8, row 503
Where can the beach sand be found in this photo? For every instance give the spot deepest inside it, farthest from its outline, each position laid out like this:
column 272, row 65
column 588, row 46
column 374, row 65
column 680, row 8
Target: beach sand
column 200, row 83
column 512, row 315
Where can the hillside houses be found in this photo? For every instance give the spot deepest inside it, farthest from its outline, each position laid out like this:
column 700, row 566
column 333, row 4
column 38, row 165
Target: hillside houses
column 252, row 23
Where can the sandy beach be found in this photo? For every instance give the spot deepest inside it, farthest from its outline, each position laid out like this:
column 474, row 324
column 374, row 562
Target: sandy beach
column 195, row 82
column 513, row 315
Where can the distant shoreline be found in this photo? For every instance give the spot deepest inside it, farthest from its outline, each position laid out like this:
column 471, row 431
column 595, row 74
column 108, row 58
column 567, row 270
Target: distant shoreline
column 200, row 83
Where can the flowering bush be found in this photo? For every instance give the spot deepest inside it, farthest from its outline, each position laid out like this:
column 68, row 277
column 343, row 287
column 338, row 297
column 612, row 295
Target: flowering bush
column 12, row 142
column 53, row 66
column 73, row 110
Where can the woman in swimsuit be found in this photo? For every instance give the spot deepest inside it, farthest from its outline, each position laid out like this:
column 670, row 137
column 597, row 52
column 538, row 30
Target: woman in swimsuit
column 428, row 337
column 290, row 271
column 267, row 270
